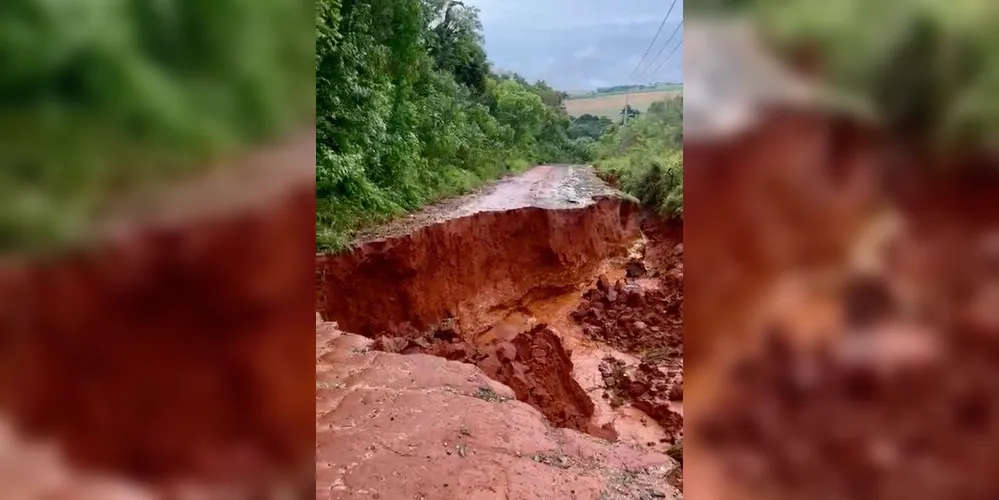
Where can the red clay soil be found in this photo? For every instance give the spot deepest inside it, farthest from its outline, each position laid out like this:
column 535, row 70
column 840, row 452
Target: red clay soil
column 650, row 387
column 536, row 366
column 664, row 248
column 647, row 322
column 533, row 363
column 470, row 266
column 392, row 426
column 181, row 345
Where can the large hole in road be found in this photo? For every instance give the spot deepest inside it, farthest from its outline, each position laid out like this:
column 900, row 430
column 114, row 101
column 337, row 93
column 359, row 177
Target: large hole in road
column 522, row 294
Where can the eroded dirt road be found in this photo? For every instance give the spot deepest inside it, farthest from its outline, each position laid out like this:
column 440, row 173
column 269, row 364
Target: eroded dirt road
column 544, row 187
column 516, row 344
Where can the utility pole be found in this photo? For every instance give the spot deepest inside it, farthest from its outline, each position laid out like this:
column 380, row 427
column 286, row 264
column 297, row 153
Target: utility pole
column 627, row 98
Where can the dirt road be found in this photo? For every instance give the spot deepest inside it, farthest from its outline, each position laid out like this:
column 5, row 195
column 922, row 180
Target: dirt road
column 529, row 391
column 547, row 186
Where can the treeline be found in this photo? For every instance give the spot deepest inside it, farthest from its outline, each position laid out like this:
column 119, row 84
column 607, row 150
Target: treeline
column 409, row 110
column 645, row 155
column 617, row 89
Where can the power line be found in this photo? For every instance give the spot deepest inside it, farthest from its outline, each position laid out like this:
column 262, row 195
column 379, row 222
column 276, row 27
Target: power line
column 653, row 43
column 675, row 31
column 670, row 55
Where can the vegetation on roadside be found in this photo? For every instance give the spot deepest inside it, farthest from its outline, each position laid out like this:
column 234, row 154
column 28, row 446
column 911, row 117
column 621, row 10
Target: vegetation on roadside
column 410, row 111
column 97, row 97
column 645, row 154
column 930, row 68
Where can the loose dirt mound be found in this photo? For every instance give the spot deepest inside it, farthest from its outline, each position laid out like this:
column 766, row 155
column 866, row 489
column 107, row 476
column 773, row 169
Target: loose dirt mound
column 650, row 387
column 534, row 364
column 645, row 321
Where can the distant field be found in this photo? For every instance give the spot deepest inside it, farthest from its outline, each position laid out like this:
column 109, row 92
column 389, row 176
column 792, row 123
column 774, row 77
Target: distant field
column 661, row 88
column 610, row 105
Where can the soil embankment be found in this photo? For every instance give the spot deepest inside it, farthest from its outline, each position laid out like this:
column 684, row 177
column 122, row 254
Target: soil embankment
column 473, row 257
column 494, row 287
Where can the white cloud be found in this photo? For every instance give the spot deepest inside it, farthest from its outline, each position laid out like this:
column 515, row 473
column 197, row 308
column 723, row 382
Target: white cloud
column 586, row 53
column 597, row 83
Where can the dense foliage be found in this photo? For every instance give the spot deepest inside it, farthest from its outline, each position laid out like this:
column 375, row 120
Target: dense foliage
column 100, row 96
column 409, row 111
column 645, row 155
column 930, row 68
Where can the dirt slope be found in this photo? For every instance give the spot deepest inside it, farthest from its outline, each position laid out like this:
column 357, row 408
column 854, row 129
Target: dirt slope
column 472, row 380
column 467, row 257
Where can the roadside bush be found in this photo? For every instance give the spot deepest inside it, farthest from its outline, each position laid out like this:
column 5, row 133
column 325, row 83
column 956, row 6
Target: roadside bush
column 646, row 157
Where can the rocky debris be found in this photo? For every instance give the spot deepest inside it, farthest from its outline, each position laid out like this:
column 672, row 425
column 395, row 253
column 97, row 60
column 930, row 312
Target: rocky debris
column 392, row 426
column 635, row 268
column 444, row 340
column 645, row 322
column 823, row 422
column 650, row 387
column 664, row 247
column 534, row 364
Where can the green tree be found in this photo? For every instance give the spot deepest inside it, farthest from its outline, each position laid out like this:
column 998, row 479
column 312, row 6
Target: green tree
column 646, row 156
column 408, row 112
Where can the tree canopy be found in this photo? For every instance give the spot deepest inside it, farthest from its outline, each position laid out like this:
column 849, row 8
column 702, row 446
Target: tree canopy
column 409, row 110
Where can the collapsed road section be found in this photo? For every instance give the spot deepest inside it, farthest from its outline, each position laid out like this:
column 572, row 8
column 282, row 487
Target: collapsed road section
column 513, row 399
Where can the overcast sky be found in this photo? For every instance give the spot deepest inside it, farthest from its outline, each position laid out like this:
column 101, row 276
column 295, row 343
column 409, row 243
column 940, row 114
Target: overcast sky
column 581, row 44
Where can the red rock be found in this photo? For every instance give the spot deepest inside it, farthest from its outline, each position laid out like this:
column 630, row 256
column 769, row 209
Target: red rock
column 636, row 389
column 603, row 284
column 635, row 268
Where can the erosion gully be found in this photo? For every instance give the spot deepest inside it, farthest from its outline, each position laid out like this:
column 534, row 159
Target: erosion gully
column 552, row 284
